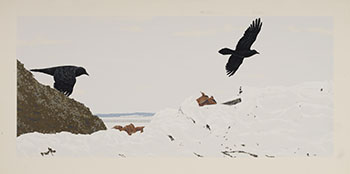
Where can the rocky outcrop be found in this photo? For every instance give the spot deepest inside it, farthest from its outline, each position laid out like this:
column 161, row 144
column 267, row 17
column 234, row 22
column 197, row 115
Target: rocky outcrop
column 130, row 129
column 43, row 109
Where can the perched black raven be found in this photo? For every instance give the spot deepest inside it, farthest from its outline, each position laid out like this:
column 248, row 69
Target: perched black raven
column 64, row 77
column 243, row 48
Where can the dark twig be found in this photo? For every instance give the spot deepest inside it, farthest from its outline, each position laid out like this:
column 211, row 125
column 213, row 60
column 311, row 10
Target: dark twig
column 238, row 151
column 197, row 154
column 208, row 127
column 49, row 151
column 171, row 137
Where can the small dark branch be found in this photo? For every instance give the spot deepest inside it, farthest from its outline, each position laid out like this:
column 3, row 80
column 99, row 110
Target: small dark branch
column 122, row 155
column 197, row 154
column 233, row 102
column 270, row 156
column 171, row 137
column 181, row 111
column 227, row 153
column 194, row 122
column 239, row 151
column 49, row 151
column 208, row 127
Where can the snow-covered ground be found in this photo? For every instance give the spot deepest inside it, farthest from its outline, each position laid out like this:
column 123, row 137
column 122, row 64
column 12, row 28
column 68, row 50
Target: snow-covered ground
column 269, row 122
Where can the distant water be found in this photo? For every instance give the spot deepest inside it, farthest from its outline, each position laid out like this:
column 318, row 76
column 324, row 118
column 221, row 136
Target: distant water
column 137, row 118
column 142, row 114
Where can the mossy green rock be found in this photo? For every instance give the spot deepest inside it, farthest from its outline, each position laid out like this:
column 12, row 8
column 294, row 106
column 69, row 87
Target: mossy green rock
column 44, row 109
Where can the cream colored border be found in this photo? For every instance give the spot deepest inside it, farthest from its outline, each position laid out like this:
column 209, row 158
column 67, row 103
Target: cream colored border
column 339, row 9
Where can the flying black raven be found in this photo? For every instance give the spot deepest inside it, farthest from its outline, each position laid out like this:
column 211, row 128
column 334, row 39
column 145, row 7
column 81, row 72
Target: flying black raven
column 64, row 77
column 242, row 48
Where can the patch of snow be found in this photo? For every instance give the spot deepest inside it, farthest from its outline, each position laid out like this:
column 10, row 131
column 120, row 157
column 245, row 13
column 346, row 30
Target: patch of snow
column 269, row 122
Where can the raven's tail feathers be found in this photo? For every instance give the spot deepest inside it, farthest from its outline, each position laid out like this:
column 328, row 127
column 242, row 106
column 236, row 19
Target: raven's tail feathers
column 226, row 51
column 49, row 71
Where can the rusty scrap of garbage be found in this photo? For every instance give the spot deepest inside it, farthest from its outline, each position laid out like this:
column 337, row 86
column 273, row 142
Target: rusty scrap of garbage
column 205, row 100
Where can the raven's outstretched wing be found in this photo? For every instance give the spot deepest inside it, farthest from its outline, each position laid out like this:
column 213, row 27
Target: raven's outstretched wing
column 233, row 63
column 64, row 80
column 249, row 35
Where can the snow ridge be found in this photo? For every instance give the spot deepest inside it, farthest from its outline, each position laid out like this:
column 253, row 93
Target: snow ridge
column 269, row 122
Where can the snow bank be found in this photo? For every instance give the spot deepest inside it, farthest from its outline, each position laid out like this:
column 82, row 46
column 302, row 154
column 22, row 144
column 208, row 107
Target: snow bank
column 269, row 122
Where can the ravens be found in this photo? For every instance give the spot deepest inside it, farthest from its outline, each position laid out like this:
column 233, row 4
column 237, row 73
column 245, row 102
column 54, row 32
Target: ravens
column 243, row 49
column 64, row 76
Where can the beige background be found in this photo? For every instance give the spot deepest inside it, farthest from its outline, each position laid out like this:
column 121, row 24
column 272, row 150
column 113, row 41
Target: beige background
column 10, row 9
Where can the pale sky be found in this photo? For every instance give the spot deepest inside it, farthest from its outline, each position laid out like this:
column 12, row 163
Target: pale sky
column 147, row 64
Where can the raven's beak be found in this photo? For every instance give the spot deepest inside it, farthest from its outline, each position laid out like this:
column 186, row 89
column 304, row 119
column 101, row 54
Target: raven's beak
column 87, row 74
column 257, row 52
